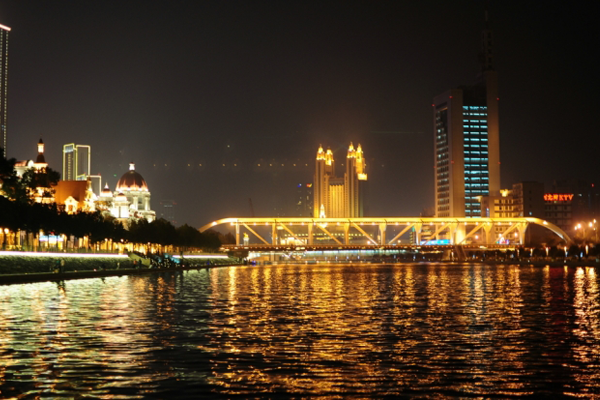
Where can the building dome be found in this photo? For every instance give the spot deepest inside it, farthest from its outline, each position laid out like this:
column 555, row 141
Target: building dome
column 106, row 192
column 131, row 180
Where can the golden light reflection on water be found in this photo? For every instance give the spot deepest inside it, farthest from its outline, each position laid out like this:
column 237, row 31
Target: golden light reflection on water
column 335, row 330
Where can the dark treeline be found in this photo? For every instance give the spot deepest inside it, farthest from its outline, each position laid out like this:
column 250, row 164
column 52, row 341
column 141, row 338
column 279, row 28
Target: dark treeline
column 35, row 217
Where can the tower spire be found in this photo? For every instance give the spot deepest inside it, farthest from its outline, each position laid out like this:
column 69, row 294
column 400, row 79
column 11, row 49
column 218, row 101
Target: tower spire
column 486, row 56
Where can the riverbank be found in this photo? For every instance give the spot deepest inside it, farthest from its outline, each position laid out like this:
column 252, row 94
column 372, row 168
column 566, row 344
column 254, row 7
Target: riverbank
column 62, row 276
column 25, row 267
column 99, row 272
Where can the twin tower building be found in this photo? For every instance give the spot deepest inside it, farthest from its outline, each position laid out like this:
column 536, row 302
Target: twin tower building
column 339, row 197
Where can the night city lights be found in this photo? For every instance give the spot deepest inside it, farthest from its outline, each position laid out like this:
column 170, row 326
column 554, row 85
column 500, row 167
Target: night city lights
column 326, row 199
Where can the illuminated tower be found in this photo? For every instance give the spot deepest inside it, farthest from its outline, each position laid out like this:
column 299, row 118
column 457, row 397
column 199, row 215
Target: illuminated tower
column 353, row 182
column 323, row 172
column 40, row 161
column 467, row 141
column 336, row 197
column 3, row 83
column 76, row 162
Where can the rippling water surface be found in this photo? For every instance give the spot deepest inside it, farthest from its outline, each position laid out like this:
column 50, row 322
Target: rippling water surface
column 304, row 330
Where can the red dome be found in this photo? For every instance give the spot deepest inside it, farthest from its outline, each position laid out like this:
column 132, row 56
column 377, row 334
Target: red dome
column 131, row 180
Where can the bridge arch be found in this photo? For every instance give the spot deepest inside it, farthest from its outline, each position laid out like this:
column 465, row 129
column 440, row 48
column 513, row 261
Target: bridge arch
column 377, row 231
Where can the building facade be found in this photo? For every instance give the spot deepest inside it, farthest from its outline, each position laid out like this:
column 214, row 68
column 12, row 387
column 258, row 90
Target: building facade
column 304, row 200
column 130, row 200
column 4, row 30
column 75, row 196
column 529, row 199
column 77, row 166
column 339, row 197
column 467, row 142
column 167, row 211
column 76, row 162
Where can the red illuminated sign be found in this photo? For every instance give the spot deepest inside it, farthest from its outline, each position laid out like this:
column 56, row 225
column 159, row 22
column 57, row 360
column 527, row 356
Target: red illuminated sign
column 558, row 197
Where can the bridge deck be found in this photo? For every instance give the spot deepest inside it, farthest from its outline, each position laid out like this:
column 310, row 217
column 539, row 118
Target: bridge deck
column 380, row 232
column 321, row 247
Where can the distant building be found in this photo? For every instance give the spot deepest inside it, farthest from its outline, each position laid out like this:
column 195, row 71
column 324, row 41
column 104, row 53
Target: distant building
column 499, row 206
column 167, row 211
column 467, row 142
column 76, row 162
column 586, row 198
column 39, row 164
column 304, row 200
column 558, row 209
column 41, row 194
column 529, row 199
column 75, row 196
column 339, row 197
column 96, row 184
column 4, row 30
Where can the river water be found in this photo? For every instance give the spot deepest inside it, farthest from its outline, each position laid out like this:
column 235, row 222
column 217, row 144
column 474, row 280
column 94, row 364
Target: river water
column 420, row 330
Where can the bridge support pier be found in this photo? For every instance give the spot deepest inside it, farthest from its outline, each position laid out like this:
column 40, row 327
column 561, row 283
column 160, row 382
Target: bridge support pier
column 346, row 233
column 382, row 229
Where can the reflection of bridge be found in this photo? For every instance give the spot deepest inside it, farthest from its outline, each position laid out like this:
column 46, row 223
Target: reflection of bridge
column 378, row 232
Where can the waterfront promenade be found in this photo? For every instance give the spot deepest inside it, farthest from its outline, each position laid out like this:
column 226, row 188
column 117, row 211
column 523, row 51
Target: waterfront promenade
column 26, row 267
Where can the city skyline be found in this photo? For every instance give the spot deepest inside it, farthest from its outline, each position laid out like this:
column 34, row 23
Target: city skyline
column 183, row 93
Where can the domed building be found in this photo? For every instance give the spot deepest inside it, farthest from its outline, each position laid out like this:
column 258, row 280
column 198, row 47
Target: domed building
column 131, row 197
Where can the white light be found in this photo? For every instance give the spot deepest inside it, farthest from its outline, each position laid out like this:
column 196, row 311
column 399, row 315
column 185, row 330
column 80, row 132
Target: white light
column 202, row 256
column 66, row 255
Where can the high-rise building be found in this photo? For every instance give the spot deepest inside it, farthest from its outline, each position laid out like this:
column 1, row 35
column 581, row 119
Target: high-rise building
column 76, row 162
column 304, row 200
column 467, row 141
column 166, row 211
column 4, row 30
column 339, row 197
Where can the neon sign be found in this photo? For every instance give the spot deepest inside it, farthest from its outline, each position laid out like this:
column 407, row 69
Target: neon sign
column 558, row 197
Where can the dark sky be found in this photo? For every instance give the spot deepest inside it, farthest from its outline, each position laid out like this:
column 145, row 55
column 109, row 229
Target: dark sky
column 175, row 85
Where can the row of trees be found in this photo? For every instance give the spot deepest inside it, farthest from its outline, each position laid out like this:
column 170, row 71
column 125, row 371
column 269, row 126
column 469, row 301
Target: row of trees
column 18, row 212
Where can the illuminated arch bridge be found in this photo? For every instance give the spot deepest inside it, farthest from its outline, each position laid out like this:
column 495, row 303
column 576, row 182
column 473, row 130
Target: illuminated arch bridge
column 380, row 232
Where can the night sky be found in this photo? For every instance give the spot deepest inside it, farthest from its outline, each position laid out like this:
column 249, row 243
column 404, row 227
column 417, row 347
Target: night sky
column 183, row 88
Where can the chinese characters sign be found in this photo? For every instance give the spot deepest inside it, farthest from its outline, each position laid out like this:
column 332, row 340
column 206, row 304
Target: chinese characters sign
column 558, row 197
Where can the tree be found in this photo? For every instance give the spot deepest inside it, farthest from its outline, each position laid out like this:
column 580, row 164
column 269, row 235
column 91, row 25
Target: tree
column 40, row 183
column 10, row 184
column 188, row 236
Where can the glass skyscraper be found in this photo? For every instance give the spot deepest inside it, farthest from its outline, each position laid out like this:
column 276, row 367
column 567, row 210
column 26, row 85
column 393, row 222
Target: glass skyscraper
column 76, row 162
column 466, row 140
